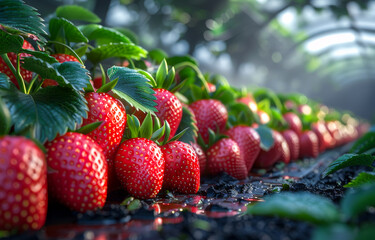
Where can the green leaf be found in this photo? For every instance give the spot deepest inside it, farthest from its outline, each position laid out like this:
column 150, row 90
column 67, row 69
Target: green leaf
column 133, row 87
column 158, row 134
column 361, row 179
column 302, row 206
column 19, row 18
column 172, row 61
column 4, row 81
column 266, row 138
column 178, row 135
column 50, row 111
column 104, row 35
column 5, row 118
column 123, row 50
column 348, row 160
column 74, row 12
column 334, row 231
column 363, row 144
column 148, row 76
column 226, row 94
column 41, row 55
column 129, row 33
column 146, row 128
column 70, row 74
column 161, row 73
column 89, row 127
column 108, row 86
column 61, row 28
column 10, row 43
column 157, row 55
column 358, row 200
column 240, row 114
column 188, row 121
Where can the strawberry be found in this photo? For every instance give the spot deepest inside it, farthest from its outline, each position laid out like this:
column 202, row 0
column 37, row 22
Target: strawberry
column 285, row 152
column 309, row 144
column 266, row 159
column 263, row 116
column 182, row 173
column 248, row 141
column 210, row 114
column 78, row 176
column 304, row 109
column 140, row 167
column 26, row 75
column 23, row 189
column 103, row 107
column 169, row 109
column 292, row 140
column 61, row 58
column 224, row 156
column 294, row 122
column 202, row 158
column 324, row 137
column 249, row 101
column 211, row 87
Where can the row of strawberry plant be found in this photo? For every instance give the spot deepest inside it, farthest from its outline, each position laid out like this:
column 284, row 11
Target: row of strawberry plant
column 148, row 122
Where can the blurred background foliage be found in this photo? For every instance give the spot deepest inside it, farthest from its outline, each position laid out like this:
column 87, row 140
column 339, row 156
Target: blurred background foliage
column 321, row 48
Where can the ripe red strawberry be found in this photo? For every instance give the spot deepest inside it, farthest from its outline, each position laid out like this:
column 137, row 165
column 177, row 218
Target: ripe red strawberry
column 103, row 107
column 294, row 122
column 211, row 87
column 249, row 101
column 26, row 75
column 292, row 140
column 182, row 173
column 78, row 176
column 285, row 152
column 324, row 137
column 210, row 114
column 248, row 141
column 224, row 156
column 169, row 109
column 202, row 158
column 140, row 167
column 61, row 58
column 304, row 109
column 266, row 159
column 263, row 116
column 309, row 144
column 23, row 188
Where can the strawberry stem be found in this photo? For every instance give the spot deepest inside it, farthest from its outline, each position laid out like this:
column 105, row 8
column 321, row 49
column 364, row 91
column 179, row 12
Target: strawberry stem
column 182, row 65
column 69, row 48
column 31, row 84
column 16, row 73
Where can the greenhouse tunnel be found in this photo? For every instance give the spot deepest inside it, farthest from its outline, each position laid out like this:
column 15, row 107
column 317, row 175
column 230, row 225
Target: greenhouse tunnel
column 196, row 119
column 324, row 49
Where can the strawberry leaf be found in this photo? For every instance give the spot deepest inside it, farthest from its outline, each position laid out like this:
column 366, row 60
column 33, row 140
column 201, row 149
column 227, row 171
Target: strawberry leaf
column 74, row 12
column 266, row 139
column 361, row 179
column 298, row 206
column 188, row 121
column 123, row 50
column 108, row 86
column 348, row 160
column 5, row 118
column 61, row 28
column 172, row 61
column 10, row 43
column 41, row 55
column 89, row 127
column 363, row 144
column 49, row 111
column 133, row 87
column 4, row 81
column 19, row 18
column 358, row 201
column 157, row 55
column 104, row 35
column 70, row 74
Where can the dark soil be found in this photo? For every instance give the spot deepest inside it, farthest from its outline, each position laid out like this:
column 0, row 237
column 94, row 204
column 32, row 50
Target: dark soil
column 216, row 212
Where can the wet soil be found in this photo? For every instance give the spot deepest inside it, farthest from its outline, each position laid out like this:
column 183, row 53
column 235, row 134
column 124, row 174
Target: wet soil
column 216, row 212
